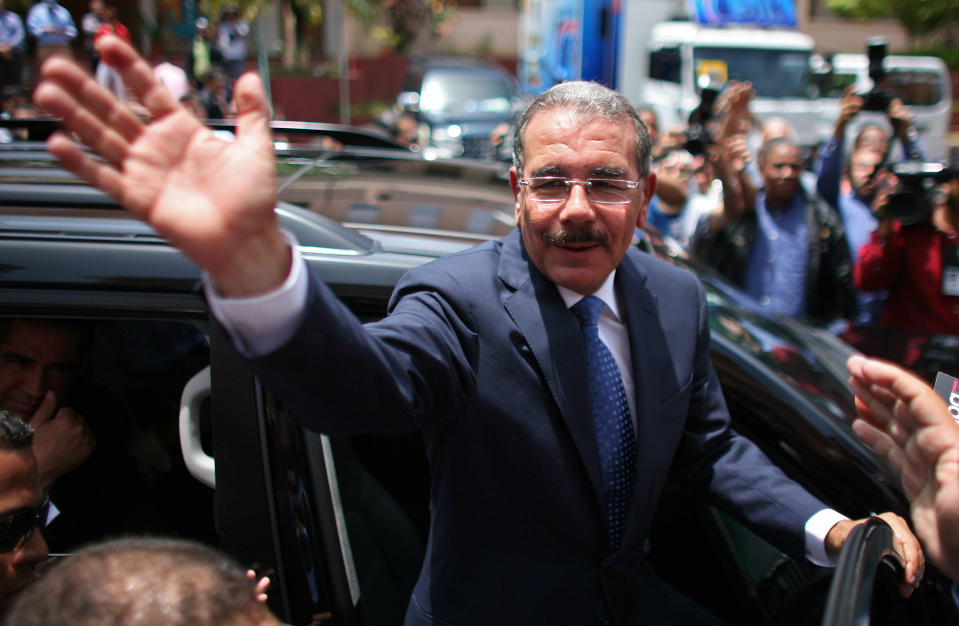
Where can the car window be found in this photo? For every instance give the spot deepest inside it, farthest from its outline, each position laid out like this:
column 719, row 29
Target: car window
column 915, row 87
column 417, row 194
column 126, row 382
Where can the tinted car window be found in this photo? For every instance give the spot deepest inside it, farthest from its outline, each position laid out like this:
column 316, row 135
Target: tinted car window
column 127, row 383
column 410, row 192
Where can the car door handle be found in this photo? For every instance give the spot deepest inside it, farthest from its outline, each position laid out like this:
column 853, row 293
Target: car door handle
column 200, row 464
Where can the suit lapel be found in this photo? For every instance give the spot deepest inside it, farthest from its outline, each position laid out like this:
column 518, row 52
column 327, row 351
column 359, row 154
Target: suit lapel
column 554, row 337
column 647, row 347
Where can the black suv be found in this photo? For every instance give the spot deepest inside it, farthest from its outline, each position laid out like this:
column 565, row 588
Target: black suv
column 340, row 523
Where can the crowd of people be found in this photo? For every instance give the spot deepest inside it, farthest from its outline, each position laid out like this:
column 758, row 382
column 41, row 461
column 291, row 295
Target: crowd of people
column 216, row 56
column 819, row 236
column 463, row 353
column 813, row 233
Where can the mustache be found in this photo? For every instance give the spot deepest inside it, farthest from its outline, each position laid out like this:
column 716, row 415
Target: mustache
column 576, row 235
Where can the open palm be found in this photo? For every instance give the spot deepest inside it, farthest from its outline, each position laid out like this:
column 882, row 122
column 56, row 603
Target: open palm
column 905, row 422
column 210, row 198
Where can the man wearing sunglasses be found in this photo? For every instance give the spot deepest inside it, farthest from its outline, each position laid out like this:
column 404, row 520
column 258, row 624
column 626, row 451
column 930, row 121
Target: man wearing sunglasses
column 549, row 431
column 23, row 509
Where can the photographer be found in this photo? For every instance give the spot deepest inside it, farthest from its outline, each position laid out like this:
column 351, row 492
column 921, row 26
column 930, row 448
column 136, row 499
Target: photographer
column 870, row 135
column 915, row 257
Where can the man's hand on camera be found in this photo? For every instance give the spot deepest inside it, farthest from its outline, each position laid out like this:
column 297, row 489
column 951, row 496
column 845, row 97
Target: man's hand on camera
column 899, row 117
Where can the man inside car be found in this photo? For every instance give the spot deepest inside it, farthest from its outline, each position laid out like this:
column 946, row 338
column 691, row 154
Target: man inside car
column 38, row 361
column 542, row 491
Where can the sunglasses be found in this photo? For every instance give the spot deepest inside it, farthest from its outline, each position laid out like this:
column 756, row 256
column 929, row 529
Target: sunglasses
column 16, row 528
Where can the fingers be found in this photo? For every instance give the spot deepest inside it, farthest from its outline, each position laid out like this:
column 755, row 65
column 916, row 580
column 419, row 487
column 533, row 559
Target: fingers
column 252, row 110
column 907, row 546
column 261, row 587
column 80, row 88
column 99, row 174
column 137, row 75
column 46, row 409
column 882, row 443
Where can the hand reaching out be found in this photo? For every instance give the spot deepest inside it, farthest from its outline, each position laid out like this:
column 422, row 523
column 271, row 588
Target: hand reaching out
column 211, row 199
column 904, row 420
column 849, row 107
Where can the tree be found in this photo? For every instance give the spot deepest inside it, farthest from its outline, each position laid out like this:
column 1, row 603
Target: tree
column 295, row 14
column 920, row 18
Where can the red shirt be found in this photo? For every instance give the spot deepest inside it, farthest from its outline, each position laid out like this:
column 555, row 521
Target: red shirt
column 909, row 264
column 116, row 28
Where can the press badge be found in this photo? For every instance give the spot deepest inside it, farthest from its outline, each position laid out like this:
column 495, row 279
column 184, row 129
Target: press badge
column 950, row 270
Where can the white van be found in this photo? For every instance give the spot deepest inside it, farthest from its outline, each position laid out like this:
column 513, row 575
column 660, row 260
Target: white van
column 776, row 62
column 922, row 83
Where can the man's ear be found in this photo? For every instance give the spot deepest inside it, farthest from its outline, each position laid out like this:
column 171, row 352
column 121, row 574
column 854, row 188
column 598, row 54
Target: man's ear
column 515, row 186
column 649, row 190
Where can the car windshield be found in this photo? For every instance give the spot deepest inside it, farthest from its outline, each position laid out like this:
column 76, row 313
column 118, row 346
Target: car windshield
column 464, row 91
column 773, row 73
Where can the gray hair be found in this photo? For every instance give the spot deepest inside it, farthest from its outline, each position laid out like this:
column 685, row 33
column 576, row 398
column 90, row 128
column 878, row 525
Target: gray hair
column 590, row 100
column 15, row 434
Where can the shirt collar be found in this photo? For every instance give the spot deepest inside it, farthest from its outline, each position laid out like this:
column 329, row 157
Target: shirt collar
column 606, row 293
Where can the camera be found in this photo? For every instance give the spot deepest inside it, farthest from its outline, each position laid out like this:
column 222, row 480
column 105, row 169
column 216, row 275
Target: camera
column 697, row 133
column 877, row 98
column 913, row 198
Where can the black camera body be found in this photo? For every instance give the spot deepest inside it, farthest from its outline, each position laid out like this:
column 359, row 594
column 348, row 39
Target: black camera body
column 877, row 98
column 697, row 133
column 913, row 198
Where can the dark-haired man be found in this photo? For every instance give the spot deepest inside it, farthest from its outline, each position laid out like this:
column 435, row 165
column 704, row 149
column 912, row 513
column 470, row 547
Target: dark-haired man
column 787, row 250
column 38, row 361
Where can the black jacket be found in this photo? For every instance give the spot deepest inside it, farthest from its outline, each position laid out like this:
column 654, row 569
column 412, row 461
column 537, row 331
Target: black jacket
column 829, row 287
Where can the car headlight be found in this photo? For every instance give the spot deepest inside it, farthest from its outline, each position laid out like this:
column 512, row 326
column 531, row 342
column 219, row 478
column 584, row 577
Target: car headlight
column 448, row 140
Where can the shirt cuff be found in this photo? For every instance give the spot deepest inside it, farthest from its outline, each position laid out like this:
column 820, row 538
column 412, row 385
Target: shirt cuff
column 817, row 527
column 260, row 324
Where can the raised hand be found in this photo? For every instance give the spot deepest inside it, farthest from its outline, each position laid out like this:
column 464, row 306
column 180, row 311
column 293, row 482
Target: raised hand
column 849, row 107
column 61, row 442
column 211, row 199
column 903, row 419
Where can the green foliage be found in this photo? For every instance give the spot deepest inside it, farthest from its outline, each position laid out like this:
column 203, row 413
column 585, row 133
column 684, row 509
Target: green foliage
column 948, row 53
column 918, row 17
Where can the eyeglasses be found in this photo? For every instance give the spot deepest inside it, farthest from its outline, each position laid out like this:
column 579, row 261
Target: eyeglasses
column 16, row 528
column 601, row 190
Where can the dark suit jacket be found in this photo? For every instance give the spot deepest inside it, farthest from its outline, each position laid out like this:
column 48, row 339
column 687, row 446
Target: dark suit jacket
column 482, row 355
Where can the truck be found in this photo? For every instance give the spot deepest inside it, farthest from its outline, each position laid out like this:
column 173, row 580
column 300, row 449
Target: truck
column 641, row 49
column 921, row 82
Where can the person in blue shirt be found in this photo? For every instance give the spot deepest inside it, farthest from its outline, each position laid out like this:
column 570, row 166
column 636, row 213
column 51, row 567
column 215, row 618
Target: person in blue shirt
column 787, row 249
column 52, row 27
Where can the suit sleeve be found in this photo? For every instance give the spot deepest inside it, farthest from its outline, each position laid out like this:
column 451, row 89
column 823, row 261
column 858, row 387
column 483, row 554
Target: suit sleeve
column 732, row 470
column 338, row 376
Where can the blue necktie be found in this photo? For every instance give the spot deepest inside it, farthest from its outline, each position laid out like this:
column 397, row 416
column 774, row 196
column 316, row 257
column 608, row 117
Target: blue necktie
column 611, row 419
